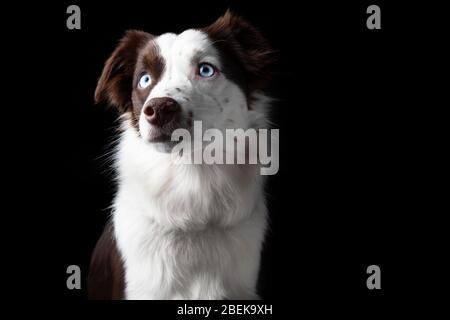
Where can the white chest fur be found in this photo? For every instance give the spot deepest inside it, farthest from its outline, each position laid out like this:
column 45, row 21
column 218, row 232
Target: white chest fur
column 187, row 231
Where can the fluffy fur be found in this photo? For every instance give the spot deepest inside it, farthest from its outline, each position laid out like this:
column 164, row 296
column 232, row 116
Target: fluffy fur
column 186, row 231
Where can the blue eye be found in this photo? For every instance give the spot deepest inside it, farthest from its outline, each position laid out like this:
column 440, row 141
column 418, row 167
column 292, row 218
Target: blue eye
column 206, row 70
column 145, row 81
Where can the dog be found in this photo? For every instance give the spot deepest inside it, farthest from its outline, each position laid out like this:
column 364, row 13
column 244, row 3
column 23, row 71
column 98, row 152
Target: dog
column 183, row 231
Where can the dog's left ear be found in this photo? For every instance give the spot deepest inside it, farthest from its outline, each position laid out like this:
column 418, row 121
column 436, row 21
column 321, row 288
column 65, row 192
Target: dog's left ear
column 247, row 46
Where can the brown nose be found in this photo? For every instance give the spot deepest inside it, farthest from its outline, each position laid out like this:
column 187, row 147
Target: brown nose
column 160, row 111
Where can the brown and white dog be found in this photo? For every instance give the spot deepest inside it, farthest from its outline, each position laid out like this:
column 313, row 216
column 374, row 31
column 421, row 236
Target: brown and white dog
column 183, row 231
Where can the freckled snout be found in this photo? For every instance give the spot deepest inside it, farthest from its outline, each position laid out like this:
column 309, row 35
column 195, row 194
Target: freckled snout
column 160, row 111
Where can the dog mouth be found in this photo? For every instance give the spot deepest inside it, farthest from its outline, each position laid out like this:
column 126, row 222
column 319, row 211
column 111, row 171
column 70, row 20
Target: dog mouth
column 159, row 133
column 156, row 135
column 160, row 140
column 162, row 135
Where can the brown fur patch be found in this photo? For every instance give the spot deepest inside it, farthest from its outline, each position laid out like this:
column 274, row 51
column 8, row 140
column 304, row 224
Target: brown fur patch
column 246, row 53
column 149, row 61
column 106, row 272
column 116, row 82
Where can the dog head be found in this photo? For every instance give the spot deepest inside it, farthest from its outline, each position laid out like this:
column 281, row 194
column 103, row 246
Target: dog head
column 214, row 75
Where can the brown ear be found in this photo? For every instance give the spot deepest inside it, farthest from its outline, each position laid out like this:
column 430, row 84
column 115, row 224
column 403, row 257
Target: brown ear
column 115, row 83
column 247, row 46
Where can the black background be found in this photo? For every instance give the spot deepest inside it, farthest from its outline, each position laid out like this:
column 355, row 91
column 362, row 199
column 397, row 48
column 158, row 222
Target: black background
column 350, row 180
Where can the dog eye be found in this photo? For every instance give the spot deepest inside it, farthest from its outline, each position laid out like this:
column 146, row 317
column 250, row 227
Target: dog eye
column 206, row 70
column 145, row 81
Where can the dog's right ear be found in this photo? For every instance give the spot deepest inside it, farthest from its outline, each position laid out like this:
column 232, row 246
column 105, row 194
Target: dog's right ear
column 116, row 82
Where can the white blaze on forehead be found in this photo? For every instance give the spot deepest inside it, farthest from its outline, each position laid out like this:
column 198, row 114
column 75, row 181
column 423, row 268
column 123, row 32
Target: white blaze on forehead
column 181, row 53
column 188, row 45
